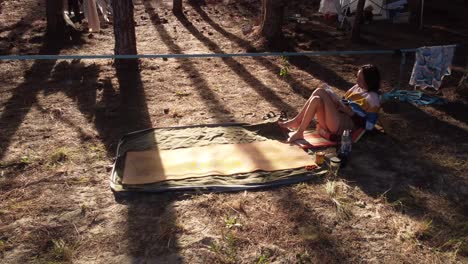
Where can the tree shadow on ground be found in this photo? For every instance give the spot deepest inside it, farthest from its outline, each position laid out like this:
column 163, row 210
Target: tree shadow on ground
column 152, row 228
column 307, row 64
column 457, row 110
column 316, row 235
column 406, row 154
column 238, row 68
column 295, row 85
column 25, row 96
column 212, row 101
column 320, row 72
column 145, row 215
column 17, row 31
column 399, row 166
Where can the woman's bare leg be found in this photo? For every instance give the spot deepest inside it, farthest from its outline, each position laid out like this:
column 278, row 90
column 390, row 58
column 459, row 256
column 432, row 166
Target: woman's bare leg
column 324, row 107
column 296, row 121
column 330, row 116
column 312, row 105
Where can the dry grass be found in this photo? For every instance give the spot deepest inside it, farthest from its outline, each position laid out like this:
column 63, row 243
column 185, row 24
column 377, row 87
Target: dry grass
column 55, row 204
column 337, row 190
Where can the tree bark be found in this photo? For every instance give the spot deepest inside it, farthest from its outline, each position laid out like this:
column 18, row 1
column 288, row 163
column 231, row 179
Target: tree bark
column 415, row 13
column 356, row 31
column 177, row 7
column 55, row 21
column 124, row 32
column 272, row 20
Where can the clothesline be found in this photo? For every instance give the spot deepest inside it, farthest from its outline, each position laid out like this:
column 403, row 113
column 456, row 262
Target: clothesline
column 402, row 53
column 203, row 55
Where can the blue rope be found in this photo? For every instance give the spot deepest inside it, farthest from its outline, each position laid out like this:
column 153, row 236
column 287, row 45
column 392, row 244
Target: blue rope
column 201, row 55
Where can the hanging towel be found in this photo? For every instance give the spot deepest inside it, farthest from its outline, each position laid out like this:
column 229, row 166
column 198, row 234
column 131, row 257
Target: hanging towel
column 103, row 6
column 431, row 65
column 329, row 6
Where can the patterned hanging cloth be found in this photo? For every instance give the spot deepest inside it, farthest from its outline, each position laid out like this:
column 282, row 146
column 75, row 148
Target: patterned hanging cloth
column 431, row 65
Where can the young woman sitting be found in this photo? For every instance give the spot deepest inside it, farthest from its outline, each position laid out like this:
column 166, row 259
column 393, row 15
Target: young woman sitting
column 358, row 108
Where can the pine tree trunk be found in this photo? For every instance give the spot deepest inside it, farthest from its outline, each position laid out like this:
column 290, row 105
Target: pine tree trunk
column 125, row 43
column 356, row 31
column 177, row 7
column 272, row 20
column 415, row 13
column 55, row 21
column 124, row 32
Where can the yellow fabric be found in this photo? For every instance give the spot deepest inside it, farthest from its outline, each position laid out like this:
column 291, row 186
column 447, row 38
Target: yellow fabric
column 363, row 99
column 152, row 166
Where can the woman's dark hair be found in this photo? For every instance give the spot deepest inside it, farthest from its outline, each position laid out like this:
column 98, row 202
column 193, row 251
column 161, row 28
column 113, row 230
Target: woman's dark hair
column 371, row 76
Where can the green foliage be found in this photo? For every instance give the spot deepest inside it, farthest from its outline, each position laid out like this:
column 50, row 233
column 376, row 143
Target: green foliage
column 231, row 247
column 425, row 230
column 284, row 71
column 226, row 251
column 26, row 160
column 264, row 258
column 60, row 251
column 59, row 156
column 231, row 222
column 99, row 150
column 303, row 258
column 2, row 246
column 84, row 209
column 182, row 94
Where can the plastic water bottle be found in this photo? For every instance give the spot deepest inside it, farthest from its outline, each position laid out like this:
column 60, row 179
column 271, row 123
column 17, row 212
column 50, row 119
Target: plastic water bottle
column 346, row 142
column 346, row 146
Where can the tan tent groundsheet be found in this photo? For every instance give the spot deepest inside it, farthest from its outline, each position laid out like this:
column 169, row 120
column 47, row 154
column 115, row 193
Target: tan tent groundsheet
column 143, row 167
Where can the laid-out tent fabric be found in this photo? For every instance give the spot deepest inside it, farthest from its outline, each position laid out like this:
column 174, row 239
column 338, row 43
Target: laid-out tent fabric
column 152, row 166
column 194, row 139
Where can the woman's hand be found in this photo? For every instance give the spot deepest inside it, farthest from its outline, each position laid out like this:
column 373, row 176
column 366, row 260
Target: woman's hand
column 347, row 110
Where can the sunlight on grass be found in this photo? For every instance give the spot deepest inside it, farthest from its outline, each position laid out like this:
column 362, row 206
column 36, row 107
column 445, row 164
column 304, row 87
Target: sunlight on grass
column 424, row 230
column 336, row 190
column 60, row 250
column 310, row 233
column 59, row 156
column 330, row 188
column 182, row 94
column 226, row 250
column 81, row 180
column 303, row 258
column 19, row 205
column 98, row 150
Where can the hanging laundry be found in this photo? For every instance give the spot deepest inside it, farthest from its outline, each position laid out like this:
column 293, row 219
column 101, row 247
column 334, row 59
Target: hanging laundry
column 103, row 6
column 328, row 6
column 90, row 12
column 431, row 65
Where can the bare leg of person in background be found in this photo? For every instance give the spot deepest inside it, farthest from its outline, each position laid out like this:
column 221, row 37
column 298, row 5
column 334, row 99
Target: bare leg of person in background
column 320, row 105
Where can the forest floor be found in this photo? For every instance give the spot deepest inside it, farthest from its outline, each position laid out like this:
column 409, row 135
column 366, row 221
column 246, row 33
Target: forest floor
column 404, row 194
